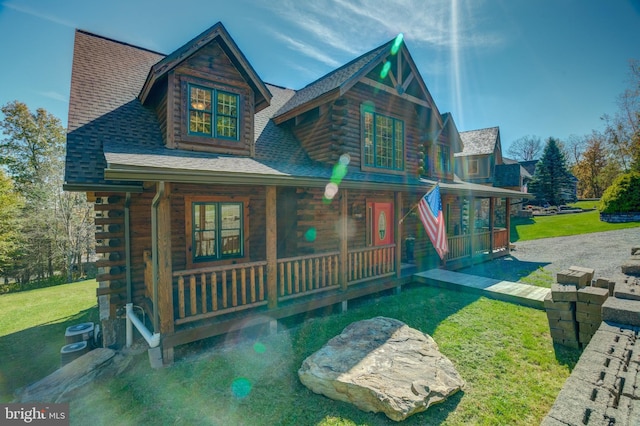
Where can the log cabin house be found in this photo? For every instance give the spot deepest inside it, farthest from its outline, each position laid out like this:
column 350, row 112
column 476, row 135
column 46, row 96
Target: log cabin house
column 221, row 199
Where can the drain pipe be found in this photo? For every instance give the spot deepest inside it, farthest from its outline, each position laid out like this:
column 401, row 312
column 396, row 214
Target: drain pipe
column 152, row 339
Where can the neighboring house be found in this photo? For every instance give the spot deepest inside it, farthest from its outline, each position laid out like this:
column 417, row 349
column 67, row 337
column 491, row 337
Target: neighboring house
column 511, row 175
column 481, row 154
column 222, row 200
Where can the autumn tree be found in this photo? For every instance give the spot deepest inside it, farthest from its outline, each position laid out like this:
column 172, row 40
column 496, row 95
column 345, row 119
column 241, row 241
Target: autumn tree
column 596, row 168
column 552, row 182
column 525, row 149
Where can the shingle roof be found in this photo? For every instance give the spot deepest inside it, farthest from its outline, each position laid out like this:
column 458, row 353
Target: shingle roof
column 479, row 142
column 106, row 78
column 335, row 79
column 509, row 175
column 217, row 31
column 109, row 129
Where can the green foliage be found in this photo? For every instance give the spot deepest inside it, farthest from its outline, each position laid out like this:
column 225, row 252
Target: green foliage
column 623, row 195
column 552, row 183
column 54, row 227
column 10, row 205
column 14, row 287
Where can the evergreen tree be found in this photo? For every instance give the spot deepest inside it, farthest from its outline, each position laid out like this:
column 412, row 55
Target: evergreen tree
column 551, row 182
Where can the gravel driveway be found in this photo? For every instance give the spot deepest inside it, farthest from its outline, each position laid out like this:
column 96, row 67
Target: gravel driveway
column 602, row 251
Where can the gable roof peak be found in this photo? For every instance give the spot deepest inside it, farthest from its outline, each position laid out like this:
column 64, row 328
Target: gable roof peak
column 338, row 81
column 217, row 31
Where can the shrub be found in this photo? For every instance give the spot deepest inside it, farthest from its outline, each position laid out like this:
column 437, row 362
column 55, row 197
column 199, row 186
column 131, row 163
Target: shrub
column 623, row 196
column 14, row 287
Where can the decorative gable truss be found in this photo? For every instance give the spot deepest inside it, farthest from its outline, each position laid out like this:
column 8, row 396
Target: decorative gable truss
column 378, row 110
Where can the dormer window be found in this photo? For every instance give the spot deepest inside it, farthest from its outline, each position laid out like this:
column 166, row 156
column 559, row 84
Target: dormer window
column 383, row 139
column 213, row 113
column 443, row 165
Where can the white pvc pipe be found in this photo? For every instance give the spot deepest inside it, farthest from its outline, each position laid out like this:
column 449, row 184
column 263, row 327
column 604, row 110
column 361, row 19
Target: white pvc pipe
column 152, row 339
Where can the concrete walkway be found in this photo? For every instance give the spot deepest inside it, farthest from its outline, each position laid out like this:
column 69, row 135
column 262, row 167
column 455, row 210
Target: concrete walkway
column 508, row 291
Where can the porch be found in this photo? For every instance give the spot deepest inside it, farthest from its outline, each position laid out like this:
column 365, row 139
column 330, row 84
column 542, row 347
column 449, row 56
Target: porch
column 215, row 300
column 188, row 302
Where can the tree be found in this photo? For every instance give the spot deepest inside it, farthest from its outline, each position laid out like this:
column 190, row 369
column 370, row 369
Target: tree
column 526, row 148
column 32, row 152
column 596, row 168
column 551, row 182
column 10, row 205
column 623, row 129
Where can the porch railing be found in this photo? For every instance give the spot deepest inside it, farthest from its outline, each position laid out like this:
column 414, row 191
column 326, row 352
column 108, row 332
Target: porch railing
column 207, row 292
column 301, row 275
column 370, row 262
column 459, row 246
column 500, row 239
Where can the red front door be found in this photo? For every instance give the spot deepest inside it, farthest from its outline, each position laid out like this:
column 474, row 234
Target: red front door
column 382, row 224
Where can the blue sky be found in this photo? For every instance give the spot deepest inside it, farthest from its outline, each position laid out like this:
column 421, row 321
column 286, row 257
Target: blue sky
column 543, row 67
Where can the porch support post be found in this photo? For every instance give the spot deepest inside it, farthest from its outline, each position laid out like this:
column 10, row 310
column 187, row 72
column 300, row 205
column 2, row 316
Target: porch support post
column 344, row 229
column 397, row 202
column 507, row 223
column 165, row 271
column 492, row 222
column 272, row 248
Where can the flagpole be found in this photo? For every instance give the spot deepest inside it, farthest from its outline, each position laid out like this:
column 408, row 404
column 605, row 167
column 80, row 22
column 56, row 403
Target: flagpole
column 416, row 204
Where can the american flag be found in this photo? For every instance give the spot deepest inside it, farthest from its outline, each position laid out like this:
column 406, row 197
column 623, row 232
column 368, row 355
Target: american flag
column 430, row 210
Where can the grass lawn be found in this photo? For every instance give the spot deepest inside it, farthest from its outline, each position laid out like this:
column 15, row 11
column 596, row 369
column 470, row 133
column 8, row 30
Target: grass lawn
column 32, row 327
column 503, row 351
column 561, row 225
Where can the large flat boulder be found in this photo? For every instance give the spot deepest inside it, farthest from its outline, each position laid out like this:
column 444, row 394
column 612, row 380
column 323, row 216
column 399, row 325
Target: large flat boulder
column 382, row 365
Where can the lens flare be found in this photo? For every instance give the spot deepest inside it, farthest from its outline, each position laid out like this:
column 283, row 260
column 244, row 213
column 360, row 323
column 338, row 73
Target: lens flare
column 385, row 70
column 310, row 235
column 259, row 348
column 330, row 191
column 241, row 387
column 397, row 43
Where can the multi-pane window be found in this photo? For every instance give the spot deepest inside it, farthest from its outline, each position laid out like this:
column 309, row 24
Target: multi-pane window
column 216, row 230
column 442, row 158
column 383, row 141
column 213, row 113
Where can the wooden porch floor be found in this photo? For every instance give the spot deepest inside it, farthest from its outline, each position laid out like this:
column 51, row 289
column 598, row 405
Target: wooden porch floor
column 508, row 291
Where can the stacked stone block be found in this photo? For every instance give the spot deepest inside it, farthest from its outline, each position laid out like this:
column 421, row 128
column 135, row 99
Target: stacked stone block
column 589, row 311
column 603, row 386
column 560, row 305
column 574, row 307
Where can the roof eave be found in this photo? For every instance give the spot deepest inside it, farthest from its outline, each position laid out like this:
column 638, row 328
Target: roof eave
column 101, row 187
column 315, row 102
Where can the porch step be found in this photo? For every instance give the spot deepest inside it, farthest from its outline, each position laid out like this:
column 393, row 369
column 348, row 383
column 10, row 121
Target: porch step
column 507, row 291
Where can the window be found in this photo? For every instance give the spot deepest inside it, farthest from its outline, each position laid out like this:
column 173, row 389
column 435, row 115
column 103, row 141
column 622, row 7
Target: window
column 383, row 141
column 213, row 113
column 473, row 167
column 442, row 158
column 216, row 230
